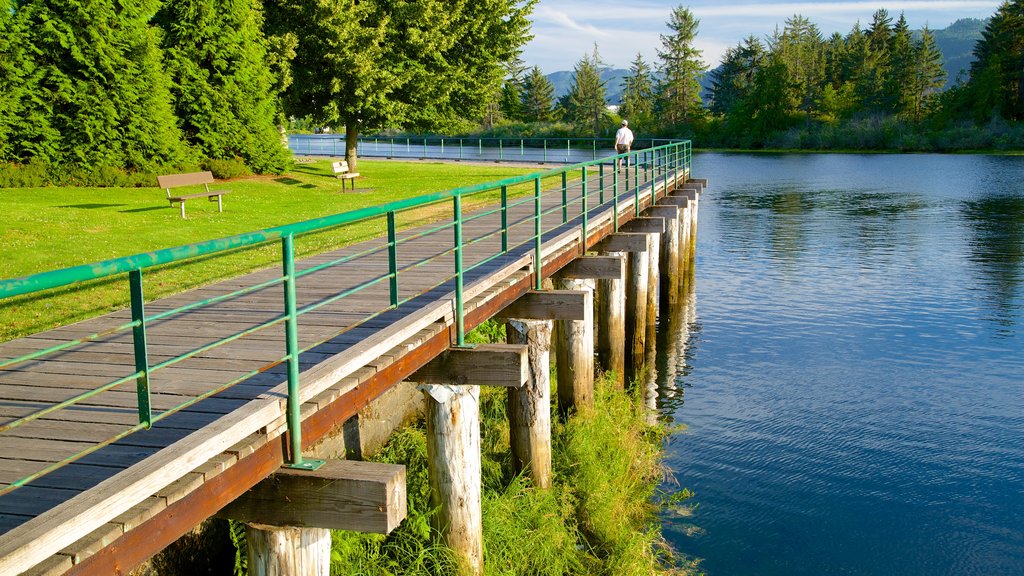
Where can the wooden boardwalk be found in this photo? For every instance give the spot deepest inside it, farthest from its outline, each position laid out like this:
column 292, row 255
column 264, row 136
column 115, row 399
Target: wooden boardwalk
column 126, row 501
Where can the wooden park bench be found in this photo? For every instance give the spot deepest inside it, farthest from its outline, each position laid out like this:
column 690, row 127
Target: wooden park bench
column 191, row 179
column 340, row 169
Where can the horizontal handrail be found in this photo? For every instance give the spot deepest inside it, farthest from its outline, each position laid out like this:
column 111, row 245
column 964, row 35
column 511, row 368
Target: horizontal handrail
column 646, row 166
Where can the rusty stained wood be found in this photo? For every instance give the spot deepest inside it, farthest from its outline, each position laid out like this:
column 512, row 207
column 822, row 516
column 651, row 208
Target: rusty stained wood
column 502, row 365
column 547, row 305
column 341, row 495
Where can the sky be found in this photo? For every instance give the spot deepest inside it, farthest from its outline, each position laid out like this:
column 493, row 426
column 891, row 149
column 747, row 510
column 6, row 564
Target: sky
column 565, row 30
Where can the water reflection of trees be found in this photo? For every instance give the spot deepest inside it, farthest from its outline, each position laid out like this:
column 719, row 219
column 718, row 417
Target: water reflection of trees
column 997, row 247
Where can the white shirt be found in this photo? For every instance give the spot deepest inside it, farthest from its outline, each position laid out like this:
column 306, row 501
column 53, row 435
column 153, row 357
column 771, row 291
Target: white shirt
column 624, row 137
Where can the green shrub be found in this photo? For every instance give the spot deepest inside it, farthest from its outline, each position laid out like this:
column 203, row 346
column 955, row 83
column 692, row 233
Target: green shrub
column 31, row 175
column 226, row 169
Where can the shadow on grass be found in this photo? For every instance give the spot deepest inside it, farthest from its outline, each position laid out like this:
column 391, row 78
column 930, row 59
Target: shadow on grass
column 90, row 206
column 149, row 209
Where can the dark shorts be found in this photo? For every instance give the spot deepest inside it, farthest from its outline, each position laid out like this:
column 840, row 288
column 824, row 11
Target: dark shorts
column 621, row 148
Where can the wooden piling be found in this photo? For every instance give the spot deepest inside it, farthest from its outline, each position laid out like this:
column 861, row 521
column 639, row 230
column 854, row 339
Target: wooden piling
column 287, row 551
column 575, row 352
column 611, row 325
column 453, row 453
column 638, row 268
column 653, row 281
column 529, row 408
column 669, row 254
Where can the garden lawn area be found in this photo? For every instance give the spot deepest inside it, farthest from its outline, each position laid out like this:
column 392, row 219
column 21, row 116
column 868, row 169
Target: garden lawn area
column 57, row 227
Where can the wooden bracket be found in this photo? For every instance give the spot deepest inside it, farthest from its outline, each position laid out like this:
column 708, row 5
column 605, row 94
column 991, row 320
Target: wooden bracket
column 595, row 268
column 341, row 495
column 486, row 365
column 645, row 225
column 547, row 305
column 623, row 242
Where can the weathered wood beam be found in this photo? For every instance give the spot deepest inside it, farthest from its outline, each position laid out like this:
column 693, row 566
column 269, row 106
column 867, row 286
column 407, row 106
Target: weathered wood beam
column 485, row 365
column 611, row 324
column 547, row 305
column 594, row 268
column 341, row 495
column 529, row 408
column 575, row 353
column 668, row 253
column 645, row 225
column 624, row 242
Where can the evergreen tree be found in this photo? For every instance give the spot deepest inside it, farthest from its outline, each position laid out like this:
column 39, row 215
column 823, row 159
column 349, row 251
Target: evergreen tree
column 638, row 93
column 874, row 64
column 680, row 67
column 585, row 103
column 764, row 110
column 98, row 85
column 996, row 86
column 511, row 100
column 14, row 78
column 928, row 77
column 901, row 87
column 802, row 50
column 538, row 97
column 733, row 81
column 223, row 93
column 420, row 65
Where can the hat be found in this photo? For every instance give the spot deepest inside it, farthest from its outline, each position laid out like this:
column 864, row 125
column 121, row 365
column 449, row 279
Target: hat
column 625, row 123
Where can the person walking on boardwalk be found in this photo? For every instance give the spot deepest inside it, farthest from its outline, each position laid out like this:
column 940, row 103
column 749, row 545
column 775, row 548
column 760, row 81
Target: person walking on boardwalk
column 623, row 140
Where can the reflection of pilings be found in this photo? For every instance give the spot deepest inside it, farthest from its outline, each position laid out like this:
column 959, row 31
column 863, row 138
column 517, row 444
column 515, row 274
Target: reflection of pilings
column 650, row 381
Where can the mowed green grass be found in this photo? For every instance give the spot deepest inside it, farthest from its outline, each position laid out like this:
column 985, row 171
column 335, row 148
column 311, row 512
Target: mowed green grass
column 49, row 228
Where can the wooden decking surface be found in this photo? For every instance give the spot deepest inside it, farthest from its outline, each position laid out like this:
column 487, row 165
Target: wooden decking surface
column 80, row 505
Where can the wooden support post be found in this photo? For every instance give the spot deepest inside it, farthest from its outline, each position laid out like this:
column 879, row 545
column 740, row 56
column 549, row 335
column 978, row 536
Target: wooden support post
column 669, row 254
column 611, row 322
column 289, row 515
column 653, row 281
column 453, row 453
column 453, row 438
column 529, row 408
column 575, row 353
column 285, row 551
column 636, row 310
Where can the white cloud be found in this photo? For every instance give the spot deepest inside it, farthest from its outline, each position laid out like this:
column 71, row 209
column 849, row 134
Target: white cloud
column 809, row 9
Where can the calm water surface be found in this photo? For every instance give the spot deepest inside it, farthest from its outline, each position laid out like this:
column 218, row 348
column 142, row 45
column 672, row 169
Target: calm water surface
column 853, row 378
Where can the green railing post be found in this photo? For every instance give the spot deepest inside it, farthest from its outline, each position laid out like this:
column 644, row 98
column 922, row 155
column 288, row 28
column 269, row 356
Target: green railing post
column 565, row 199
column 141, row 347
column 460, row 327
column 545, row 150
column 392, row 148
column 636, row 184
column 568, row 150
column 600, row 182
column 392, row 259
column 522, row 149
column 479, row 146
column 424, row 147
column 408, row 145
column 504, row 218
column 538, row 283
column 615, row 200
column 583, row 246
column 501, row 154
column 291, row 329
column 460, row 148
column 594, row 145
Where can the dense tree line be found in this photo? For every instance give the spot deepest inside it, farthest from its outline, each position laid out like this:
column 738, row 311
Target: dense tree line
column 94, row 85
column 672, row 98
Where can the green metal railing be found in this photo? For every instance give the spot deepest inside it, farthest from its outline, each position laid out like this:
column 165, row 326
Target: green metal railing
column 648, row 166
column 557, row 150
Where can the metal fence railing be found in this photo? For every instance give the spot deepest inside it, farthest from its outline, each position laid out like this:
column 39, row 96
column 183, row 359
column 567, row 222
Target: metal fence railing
column 647, row 167
column 533, row 150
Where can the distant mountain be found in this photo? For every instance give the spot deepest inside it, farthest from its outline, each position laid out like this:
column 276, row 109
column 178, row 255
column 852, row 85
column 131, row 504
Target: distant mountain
column 956, row 42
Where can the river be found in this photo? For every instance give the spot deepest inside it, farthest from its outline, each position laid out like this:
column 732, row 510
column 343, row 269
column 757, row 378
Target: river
column 853, row 379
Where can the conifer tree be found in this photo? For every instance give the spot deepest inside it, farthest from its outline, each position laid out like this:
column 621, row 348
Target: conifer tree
column 680, row 67
column 223, row 91
column 638, row 93
column 585, row 102
column 996, row 86
column 538, row 97
column 101, row 87
column 802, row 50
column 928, row 74
column 511, row 99
column 901, row 83
column 733, row 81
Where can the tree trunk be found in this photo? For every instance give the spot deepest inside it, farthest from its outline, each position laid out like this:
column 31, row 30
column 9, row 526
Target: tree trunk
column 282, row 551
column 529, row 408
column 351, row 140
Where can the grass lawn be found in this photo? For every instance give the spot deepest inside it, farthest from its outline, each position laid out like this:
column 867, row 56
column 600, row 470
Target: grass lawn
column 49, row 228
